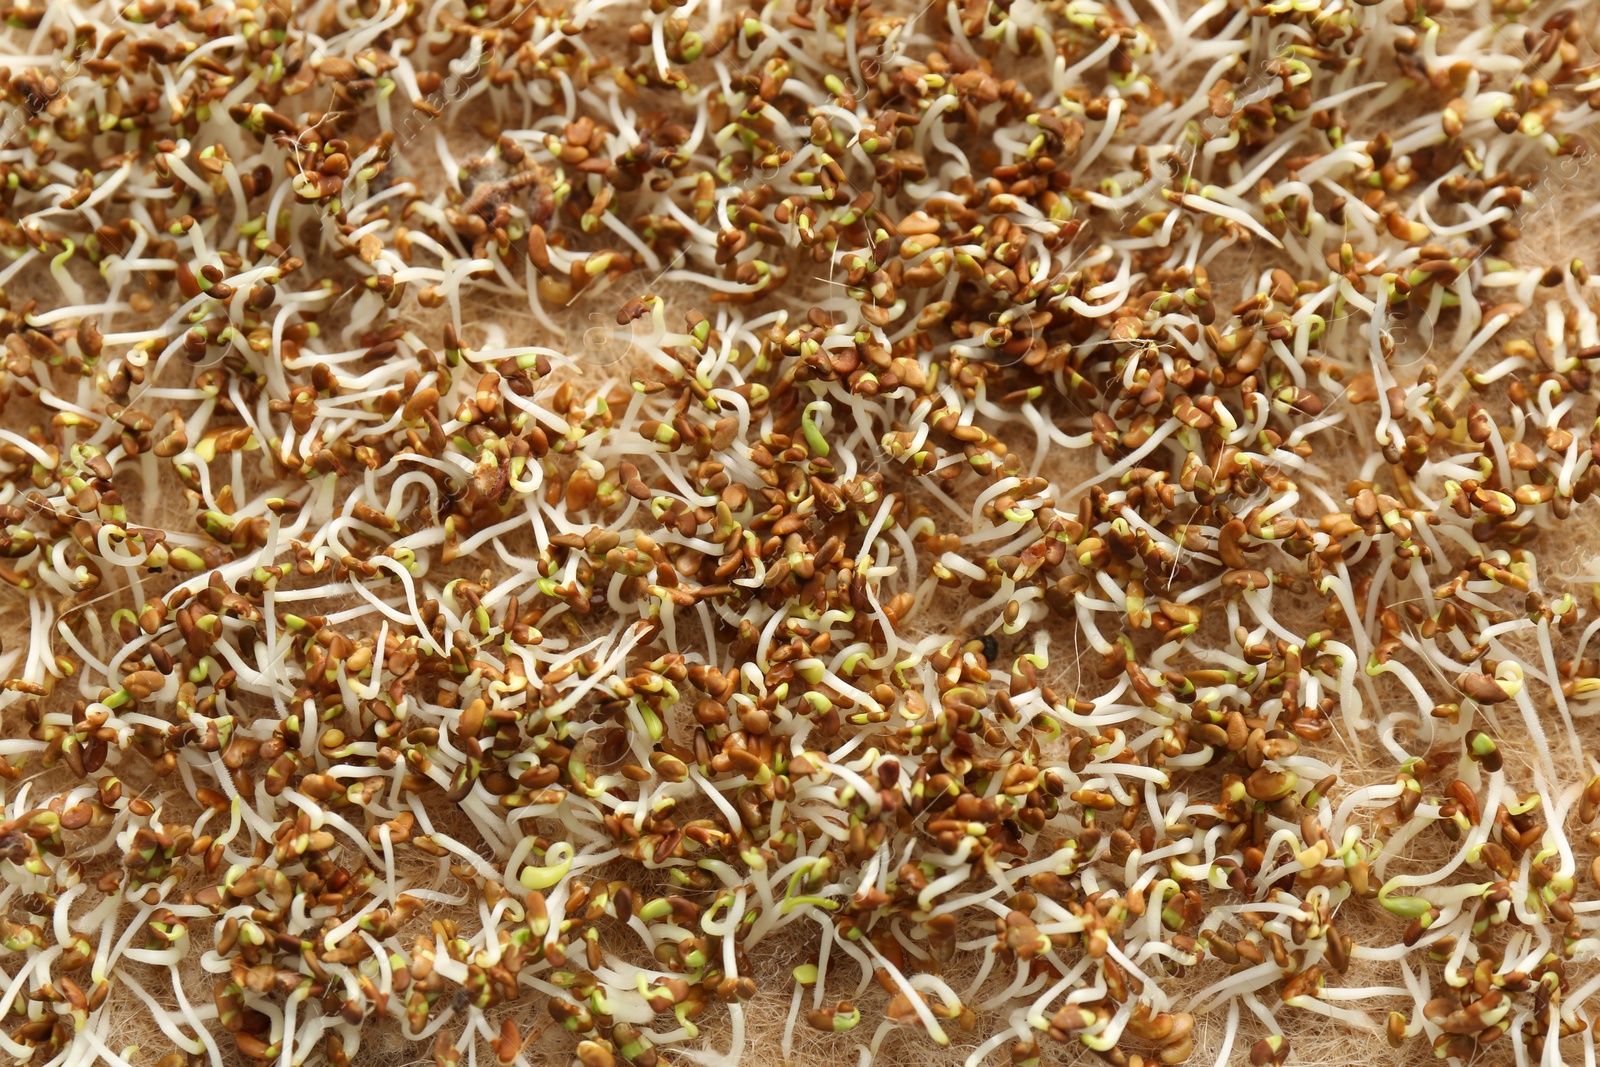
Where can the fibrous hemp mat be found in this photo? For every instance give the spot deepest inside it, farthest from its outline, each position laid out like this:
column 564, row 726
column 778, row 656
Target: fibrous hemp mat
column 651, row 533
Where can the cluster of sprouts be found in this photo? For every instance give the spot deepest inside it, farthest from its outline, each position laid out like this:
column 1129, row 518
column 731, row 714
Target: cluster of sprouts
column 665, row 533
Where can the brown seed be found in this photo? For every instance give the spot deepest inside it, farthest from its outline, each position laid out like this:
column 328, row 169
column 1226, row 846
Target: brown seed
column 1590, row 803
column 1229, row 544
column 1273, row 1051
column 426, row 400
column 1270, row 785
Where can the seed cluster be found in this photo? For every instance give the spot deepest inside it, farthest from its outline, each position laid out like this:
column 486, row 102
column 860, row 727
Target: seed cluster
column 1036, row 504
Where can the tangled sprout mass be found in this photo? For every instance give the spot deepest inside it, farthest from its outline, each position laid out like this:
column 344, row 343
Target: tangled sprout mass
column 658, row 533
